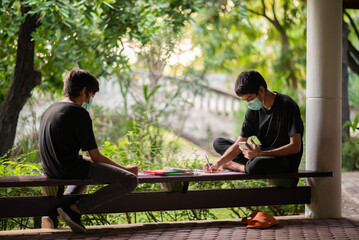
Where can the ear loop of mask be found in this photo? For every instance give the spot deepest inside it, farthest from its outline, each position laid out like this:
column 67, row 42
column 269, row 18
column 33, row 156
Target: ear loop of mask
column 86, row 105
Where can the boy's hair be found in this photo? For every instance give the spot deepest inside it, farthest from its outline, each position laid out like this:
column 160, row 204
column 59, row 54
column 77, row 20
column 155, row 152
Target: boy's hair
column 248, row 82
column 76, row 80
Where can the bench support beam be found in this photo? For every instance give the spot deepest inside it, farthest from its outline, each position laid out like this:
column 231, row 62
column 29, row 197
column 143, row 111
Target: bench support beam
column 161, row 201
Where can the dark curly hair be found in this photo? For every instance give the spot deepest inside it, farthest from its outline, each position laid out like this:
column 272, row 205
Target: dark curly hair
column 248, row 82
column 76, row 80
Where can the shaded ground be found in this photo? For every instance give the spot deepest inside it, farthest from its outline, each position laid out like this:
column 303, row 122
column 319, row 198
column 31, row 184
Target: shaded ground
column 350, row 194
column 288, row 228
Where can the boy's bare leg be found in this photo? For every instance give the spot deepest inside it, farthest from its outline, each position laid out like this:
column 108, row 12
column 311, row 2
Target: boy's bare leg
column 234, row 166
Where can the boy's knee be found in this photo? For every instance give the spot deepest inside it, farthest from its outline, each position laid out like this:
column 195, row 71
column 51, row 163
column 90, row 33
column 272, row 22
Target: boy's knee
column 255, row 168
column 132, row 182
column 266, row 165
column 127, row 184
column 217, row 143
column 252, row 170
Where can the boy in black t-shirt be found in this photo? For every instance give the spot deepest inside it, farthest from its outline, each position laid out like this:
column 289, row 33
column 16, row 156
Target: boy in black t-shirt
column 274, row 119
column 65, row 129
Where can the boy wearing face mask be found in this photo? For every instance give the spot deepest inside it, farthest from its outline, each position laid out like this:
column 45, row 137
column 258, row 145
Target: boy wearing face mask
column 274, row 119
column 65, row 129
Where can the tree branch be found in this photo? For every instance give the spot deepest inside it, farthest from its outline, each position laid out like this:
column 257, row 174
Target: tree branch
column 264, row 8
column 262, row 15
column 352, row 23
column 353, row 50
column 353, row 64
column 274, row 21
column 274, row 13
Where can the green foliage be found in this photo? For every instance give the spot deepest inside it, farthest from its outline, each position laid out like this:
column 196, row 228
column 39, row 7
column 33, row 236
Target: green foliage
column 18, row 165
column 353, row 91
column 238, row 37
column 85, row 34
column 350, row 154
column 353, row 125
column 9, row 22
column 139, row 145
column 350, row 148
column 146, row 143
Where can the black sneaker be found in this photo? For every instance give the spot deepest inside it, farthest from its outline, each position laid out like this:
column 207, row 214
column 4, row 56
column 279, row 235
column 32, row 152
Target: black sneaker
column 49, row 222
column 72, row 218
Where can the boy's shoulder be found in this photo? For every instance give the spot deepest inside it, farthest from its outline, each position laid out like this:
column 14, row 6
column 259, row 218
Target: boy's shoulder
column 286, row 100
column 65, row 109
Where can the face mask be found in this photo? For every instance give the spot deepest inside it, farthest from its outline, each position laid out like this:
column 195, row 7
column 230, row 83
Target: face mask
column 86, row 105
column 255, row 104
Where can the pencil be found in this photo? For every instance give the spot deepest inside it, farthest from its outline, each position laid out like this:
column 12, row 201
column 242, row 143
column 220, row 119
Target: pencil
column 209, row 165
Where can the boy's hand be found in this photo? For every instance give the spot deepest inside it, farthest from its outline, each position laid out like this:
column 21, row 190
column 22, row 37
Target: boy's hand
column 133, row 169
column 206, row 168
column 255, row 152
column 213, row 167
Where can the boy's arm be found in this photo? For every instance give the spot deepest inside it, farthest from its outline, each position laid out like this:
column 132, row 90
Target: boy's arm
column 294, row 146
column 231, row 153
column 97, row 156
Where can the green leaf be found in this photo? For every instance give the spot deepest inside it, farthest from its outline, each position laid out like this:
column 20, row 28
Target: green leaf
column 107, row 3
column 145, row 90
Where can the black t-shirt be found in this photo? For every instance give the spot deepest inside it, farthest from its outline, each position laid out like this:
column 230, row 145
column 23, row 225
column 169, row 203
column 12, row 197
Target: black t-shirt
column 274, row 127
column 65, row 128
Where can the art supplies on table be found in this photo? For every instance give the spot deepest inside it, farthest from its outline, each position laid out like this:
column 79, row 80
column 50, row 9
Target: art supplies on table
column 164, row 172
column 178, row 169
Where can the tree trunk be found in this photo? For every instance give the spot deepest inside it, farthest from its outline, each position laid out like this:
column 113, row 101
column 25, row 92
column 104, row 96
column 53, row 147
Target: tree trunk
column 345, row 95
column 25, row 80
column 285, row 56
column 286, row 62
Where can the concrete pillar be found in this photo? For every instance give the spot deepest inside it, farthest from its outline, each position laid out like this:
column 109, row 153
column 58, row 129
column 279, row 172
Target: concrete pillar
column 324, row 105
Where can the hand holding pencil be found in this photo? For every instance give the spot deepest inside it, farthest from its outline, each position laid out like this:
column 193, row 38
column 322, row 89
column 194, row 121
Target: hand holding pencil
column 209, row 167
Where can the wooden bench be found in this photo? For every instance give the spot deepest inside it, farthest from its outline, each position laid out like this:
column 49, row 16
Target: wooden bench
column 30, row 206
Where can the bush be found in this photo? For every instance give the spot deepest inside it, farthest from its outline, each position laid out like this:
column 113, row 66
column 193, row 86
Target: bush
column 350, row 148
column 19, row 166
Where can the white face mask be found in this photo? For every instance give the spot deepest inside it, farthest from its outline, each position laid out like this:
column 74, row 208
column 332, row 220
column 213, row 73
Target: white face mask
column 86, row 105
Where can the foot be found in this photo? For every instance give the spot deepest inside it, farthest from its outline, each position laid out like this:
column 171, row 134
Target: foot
column 49, row 222
column 72, row 218
column 233, row 166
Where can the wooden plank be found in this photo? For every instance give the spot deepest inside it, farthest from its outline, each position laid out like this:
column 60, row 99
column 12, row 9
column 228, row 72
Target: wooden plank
column 208, row 199
column 231, row 176
column 160, row 201
column 33, row 181
column 31, row 206
column 21, row 181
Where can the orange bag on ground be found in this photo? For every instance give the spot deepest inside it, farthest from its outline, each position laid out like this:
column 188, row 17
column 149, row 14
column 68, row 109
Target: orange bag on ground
column 259, row 219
